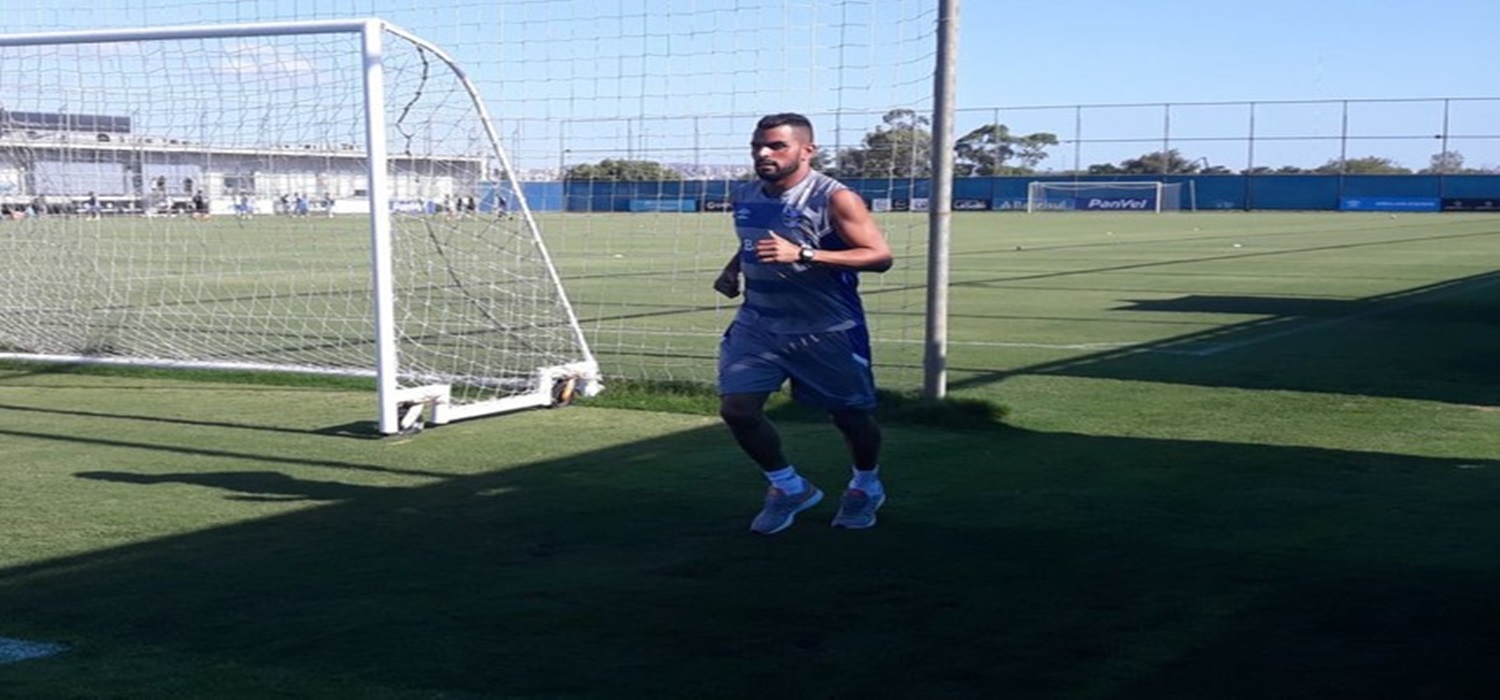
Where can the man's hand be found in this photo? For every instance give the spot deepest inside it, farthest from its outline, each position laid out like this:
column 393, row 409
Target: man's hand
column 775, row 249
column 728, row 282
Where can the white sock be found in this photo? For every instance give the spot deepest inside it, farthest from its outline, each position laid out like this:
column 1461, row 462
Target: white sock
column 867, row 481
column 787, row 479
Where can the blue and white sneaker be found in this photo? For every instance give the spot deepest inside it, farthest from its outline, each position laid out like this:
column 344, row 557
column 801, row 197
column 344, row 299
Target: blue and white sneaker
column 781, row 509
column 857, row 509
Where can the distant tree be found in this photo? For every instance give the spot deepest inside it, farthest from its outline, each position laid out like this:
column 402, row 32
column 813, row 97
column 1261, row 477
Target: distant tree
column 610, row 170
column 1159, row 163
column 901, row 147
column 1168, row 162
column 1268, row 170
column 1450, row 163
column 987, row 150
column 1369, row 165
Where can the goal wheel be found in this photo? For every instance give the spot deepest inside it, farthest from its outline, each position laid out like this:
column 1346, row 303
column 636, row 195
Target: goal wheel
column 409, row 417
column 563, row 392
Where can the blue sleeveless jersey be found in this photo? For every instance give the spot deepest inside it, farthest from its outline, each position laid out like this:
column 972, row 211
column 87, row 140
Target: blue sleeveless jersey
column 795, row 297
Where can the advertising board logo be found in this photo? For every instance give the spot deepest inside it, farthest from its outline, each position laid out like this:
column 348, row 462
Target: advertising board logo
column 1390, row 204
column 1020, row 204
column 1117, row 203
column 1471, row 204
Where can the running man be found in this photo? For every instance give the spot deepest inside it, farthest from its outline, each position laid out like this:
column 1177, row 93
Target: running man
column 804, row 237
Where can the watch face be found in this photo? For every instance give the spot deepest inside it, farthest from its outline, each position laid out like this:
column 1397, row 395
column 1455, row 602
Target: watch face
column 806, row 255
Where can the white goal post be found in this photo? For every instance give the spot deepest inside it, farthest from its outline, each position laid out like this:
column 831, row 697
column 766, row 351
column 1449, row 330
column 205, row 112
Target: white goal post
column 1130, row 196
column 317, row 196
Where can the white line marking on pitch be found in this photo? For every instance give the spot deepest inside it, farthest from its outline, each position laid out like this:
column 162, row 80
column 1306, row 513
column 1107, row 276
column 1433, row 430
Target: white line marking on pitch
column 1109, row 345
column 1378, row 309
column 13, row 650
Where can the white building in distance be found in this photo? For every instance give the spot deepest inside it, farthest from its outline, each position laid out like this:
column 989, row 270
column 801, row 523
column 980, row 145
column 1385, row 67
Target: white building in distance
column 58, row 161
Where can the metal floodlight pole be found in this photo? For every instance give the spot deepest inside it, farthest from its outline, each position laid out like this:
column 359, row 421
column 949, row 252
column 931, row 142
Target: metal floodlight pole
column 940, row 204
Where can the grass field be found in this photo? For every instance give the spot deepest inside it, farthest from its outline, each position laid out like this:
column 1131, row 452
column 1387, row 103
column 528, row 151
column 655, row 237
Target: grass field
column 1244, row 456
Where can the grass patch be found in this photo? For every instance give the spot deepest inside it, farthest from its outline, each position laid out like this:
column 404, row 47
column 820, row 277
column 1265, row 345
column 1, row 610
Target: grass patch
column 1169, row 468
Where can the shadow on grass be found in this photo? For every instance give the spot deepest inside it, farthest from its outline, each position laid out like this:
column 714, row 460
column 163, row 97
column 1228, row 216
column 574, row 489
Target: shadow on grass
column 15, row 370
column 1437, row 342
column 895, row 407
column 1008, row 563
column 366, row 430
column 250, row 486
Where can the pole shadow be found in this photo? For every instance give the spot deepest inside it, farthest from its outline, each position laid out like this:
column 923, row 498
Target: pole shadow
column 1435, row 342
column 1008, row 562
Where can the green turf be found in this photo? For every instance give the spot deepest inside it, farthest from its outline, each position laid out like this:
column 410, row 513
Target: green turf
column 1264, row 471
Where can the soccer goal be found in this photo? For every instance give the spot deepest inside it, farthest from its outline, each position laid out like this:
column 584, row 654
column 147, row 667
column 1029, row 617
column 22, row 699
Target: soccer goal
column 1109, row 196
column 318, row 196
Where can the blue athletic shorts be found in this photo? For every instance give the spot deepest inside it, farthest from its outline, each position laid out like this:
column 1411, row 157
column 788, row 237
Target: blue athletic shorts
column 828, row 370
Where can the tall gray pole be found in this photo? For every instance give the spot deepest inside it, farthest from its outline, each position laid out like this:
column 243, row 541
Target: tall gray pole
column 940, row 204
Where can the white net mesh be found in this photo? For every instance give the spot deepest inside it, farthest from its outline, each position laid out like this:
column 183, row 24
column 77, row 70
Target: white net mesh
column 573, row 83
column 205, row 201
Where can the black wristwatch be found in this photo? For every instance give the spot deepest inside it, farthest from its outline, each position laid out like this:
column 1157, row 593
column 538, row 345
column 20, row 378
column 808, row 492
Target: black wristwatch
column 806, row 254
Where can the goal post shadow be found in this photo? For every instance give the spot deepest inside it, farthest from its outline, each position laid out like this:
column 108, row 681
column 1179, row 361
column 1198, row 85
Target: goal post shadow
column 1356, row 346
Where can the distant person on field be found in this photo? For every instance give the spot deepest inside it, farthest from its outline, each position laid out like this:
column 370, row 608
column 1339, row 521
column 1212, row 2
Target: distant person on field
column 803, row 239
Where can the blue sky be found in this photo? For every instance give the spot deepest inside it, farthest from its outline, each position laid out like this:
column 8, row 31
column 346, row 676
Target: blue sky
column 575, row 79
column 1179, row 50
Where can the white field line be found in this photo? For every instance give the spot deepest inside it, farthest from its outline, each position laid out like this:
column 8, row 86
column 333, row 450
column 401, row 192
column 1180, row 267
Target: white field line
column 1413, row 300
column 1108, row 345
column 1003, row 344
column 1204, row 350
column 13, row 650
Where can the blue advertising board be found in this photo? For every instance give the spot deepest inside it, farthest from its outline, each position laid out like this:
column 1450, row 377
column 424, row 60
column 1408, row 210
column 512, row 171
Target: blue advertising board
column 1471, row 204
column 672, row 205
column 1390, row 204
column 1107, row 203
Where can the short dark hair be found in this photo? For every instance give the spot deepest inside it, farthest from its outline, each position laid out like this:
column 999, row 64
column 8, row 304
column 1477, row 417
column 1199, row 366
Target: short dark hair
column 792, row 119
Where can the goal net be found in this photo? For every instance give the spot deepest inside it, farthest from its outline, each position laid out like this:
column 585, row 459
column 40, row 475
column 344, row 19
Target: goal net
column 1107, row 196
column 627, row 124
column 308, row 196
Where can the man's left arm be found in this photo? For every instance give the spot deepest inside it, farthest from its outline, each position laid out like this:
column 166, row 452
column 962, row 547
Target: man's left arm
column 867, row 249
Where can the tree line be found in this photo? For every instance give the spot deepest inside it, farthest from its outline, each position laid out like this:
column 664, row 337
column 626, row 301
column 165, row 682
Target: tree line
column 901, row 147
